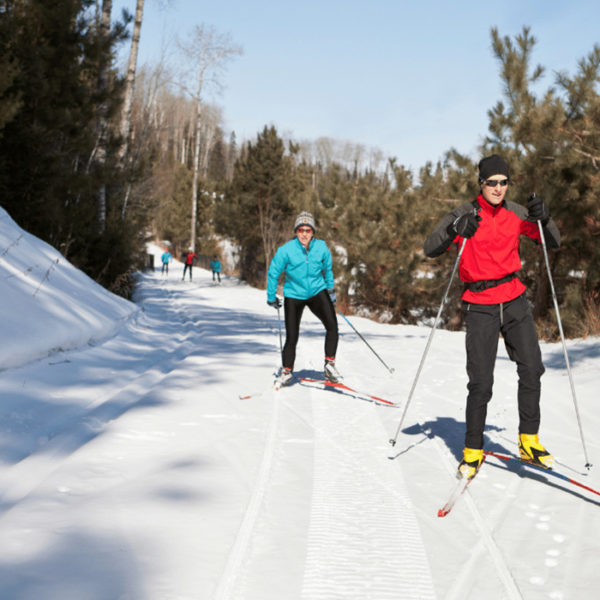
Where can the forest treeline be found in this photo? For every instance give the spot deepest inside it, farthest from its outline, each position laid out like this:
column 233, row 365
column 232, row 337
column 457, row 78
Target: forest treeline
column 97, row 162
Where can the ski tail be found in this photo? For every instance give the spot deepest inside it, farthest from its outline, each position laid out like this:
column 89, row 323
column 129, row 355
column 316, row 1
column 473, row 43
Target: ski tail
column 342, row 387
column 553, row 472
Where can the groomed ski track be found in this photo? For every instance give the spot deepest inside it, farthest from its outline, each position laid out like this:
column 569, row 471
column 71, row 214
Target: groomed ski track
column 361, row 538
column 286, row 495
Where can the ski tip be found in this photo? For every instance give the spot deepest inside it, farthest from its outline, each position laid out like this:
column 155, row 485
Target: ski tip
column 242, row 397
column 442, row 512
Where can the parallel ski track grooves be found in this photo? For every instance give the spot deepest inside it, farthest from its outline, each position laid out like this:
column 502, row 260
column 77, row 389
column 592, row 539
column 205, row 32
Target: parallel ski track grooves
column 319, row 584
column 233, row 568
column 487, row 540
column 362, row 543
column 84, row 426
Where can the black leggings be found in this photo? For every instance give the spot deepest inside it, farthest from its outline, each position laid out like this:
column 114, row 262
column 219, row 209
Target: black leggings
column 322, row 307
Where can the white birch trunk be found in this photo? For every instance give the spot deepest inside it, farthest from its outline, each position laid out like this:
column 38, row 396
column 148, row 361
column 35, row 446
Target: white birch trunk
column 125, row 128
column 195, row 177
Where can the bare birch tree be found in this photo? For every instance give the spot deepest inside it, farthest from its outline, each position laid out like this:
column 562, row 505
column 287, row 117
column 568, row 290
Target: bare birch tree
column 150, row 115
column 207, row 53
column 125, row 127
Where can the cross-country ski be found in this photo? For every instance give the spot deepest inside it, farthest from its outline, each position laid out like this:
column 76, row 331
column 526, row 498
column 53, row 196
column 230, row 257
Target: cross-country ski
column 342, row 388
column 550, row 473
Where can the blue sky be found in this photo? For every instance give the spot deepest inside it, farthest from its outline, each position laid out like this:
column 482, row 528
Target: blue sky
column 411, row 78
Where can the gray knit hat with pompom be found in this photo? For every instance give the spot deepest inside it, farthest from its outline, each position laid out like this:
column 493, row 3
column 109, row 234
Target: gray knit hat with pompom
column 305, row 218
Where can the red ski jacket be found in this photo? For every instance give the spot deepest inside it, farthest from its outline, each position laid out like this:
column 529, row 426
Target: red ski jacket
column 493, row 252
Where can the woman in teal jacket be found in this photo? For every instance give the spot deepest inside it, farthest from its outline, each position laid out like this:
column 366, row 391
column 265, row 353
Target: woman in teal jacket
column 215, row 265
column 306, row 263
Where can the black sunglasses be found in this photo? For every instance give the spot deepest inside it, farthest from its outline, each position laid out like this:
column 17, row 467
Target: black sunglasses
column 495, row 182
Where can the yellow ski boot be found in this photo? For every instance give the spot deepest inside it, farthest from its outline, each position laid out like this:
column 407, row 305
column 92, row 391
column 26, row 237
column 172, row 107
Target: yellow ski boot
column 469, row 465
column 533, row 452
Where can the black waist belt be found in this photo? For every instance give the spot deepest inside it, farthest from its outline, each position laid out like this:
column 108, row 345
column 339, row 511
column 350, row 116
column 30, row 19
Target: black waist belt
column 486, row 284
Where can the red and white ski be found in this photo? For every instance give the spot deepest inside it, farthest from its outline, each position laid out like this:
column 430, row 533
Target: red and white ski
column 551, row 472
column 344, row 389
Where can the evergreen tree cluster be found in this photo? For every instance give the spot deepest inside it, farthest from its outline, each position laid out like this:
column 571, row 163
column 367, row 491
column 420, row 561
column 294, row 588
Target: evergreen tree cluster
column 373, row 212
column 376, row 221
column 64, row 173
column 49, row 99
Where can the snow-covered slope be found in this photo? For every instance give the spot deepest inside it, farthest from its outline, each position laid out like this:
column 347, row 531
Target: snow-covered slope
column 47, row 304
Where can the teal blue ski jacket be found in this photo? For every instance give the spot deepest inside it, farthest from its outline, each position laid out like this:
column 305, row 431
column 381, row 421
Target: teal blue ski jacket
column 307, row 272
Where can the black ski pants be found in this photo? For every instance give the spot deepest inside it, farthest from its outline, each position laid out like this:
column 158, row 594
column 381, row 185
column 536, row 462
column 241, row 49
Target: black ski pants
column 322, row 307
column 514, row 321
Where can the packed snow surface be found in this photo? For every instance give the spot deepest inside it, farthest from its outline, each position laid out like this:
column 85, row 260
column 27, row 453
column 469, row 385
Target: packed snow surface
column 131, row 469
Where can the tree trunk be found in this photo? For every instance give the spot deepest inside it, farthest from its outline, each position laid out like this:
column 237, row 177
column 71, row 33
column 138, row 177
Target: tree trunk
column 195, row 177
column 102, row 121
column 125, row 128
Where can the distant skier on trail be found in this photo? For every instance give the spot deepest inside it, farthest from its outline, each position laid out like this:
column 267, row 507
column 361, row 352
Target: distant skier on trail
column 306, row 262
column 165, row 258
column 189, row 261
column 494, row 302
column 215, row 265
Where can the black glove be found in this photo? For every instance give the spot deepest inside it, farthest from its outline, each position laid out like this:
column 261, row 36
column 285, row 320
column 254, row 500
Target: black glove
column 275, row 303
column 537, row 210
column 465, row 226
column 331, row 293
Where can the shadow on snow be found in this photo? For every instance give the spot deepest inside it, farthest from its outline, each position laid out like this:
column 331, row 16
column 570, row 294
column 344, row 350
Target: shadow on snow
column 451, row 433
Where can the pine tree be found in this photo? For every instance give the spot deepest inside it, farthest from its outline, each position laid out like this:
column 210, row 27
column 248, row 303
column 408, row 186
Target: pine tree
column 10, row 103
column 258, row 208
column 48, row 146
column 553, row 146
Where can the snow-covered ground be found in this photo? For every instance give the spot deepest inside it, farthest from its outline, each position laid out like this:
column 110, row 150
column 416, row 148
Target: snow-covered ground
column 131, row 469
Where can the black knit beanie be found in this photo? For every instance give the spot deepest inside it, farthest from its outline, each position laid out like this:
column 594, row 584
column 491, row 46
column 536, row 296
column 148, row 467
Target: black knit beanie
column 492, row 165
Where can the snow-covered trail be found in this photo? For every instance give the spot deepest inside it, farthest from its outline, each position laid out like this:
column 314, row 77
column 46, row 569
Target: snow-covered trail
column 518, row 532
column 133, row 470
column 135, row 463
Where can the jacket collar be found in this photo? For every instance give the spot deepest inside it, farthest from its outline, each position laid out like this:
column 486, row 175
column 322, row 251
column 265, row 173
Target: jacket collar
column 486, row 207
column 301, row 246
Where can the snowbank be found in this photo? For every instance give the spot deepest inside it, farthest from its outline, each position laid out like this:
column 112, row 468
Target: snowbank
column 47, row 304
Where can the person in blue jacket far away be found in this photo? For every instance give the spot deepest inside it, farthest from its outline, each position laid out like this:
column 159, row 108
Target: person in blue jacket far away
column 165, row 258
column 215, row 265
column 306, row 263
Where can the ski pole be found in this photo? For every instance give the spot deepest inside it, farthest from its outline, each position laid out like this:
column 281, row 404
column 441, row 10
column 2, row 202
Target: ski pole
column 363, row 339
column 564, row 346
column 435, row 324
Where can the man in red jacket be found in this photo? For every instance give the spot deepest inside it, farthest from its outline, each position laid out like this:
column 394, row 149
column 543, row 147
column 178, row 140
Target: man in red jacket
column 494, row 303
